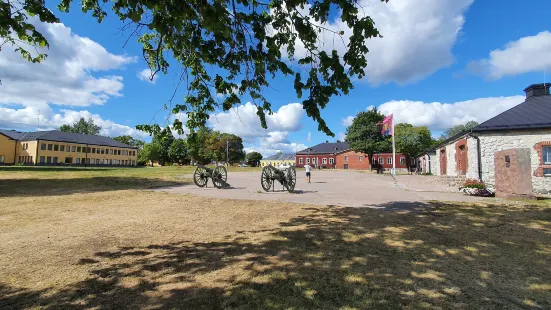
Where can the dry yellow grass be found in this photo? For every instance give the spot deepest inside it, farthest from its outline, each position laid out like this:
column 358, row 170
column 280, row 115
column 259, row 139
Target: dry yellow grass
column 142, row 249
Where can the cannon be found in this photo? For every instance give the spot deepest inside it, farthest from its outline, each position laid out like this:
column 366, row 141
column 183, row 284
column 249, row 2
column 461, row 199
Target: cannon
column 218, row 175
column 285, row 176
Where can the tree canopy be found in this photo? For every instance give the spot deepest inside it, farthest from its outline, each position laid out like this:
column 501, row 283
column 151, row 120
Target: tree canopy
column 253, row 158
column 364, row 135
column 455, row 130
column 177, row 152
column 82, row 126
column 411, row 140
column 228, row 47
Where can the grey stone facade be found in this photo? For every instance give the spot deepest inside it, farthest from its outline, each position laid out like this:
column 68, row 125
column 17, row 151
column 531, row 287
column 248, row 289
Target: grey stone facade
column 491, row 143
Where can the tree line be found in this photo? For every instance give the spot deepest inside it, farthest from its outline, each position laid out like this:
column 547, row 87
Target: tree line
column 364, row 135
column 202, row 147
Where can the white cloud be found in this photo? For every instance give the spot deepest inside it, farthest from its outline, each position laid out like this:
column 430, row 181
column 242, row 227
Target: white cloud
column 440, row 116
column 347, row 121
column 65, row 77
column 418, row 36
column 309, row 137
column 527, row 54
column 342, row 136
column 244, row 122
column 145, row 75
column 32, row 118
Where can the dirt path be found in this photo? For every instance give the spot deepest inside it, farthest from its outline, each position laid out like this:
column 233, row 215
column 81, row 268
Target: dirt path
column 342, row 188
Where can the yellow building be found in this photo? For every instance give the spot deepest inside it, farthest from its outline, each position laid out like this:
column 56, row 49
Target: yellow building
column 279, row 159
column 56, row 147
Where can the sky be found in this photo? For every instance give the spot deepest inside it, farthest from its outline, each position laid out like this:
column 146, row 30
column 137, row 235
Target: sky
column 439, row 63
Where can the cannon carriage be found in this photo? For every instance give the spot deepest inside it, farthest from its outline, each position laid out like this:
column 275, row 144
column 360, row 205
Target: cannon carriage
column 218, row 175
column 286, row 176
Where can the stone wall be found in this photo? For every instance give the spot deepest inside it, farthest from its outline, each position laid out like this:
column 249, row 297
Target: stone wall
column 493, row 142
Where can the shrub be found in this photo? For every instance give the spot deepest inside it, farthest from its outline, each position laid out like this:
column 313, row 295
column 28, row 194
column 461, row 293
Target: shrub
column 19, row 164
column 473, row 183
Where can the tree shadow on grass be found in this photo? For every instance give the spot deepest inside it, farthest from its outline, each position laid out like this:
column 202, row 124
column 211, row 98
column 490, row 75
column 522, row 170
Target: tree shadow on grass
column 56, row 187
column 441, row 256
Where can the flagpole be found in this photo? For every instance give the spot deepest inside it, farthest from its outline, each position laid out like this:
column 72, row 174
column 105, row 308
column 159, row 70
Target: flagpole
column 393, row 147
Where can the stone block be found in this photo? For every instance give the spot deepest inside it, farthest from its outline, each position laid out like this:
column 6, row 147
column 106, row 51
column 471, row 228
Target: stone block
column 513, row 173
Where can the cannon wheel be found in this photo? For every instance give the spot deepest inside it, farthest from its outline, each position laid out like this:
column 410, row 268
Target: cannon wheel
column 266, row 178
column 291, row 179
column 219, row 176
column 200, row 176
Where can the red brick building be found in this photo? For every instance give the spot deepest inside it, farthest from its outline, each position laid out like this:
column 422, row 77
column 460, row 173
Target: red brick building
column 322, row 154
column 338, row 155
column 353, row 160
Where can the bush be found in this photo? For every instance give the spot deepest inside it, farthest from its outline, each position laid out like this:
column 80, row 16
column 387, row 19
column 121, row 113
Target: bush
column 19, row 165
column 472, row 183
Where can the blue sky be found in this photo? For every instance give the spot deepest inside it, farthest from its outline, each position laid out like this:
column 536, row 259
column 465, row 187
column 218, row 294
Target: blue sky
column 440, row 63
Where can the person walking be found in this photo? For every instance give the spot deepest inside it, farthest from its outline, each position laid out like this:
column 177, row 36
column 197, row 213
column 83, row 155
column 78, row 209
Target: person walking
column 308, row 171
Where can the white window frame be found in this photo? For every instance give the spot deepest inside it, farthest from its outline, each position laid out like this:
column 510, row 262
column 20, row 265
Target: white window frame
column 389, row 161
column 546, row 152
column 2, row 159
column 346, row 158
column 307, row 160
column 360, row 158
column 381, row 160
column 324, row 160
column 301, row 160
column 313, row 160
column 331, row 161
column 373, row 160
column 402, row 160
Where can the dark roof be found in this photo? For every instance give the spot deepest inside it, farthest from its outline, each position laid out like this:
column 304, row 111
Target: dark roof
column 326, row 148
column 533, row 113
column 12, row 134
column 69, row 137
column 281, row 157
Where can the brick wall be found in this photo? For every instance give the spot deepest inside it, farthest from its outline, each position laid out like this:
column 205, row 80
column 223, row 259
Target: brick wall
column 317, row 158
column 354, row 160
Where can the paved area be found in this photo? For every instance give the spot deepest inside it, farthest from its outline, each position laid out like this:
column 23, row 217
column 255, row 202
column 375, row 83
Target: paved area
column 343, row 188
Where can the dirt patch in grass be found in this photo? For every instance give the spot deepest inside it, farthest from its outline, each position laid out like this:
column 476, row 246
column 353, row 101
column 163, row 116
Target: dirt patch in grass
column 141, row 249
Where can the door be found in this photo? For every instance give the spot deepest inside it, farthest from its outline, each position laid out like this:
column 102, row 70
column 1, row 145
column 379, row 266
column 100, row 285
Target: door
column 345, row 166
column 462, row 160
column 443, row 162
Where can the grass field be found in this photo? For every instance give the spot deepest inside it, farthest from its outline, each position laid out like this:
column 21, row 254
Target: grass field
column 122, row 246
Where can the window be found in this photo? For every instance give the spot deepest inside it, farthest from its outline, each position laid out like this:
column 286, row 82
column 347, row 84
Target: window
column 301, row 160
column 78, row 149
column 120, row 152
column 78, row 161
column 413, row 161
column 389, row 160
column 331, row 161
column 373, row 160
column 62, row 148
column 307, row 160
column 381, row 160
column 55, row 160
column 68, row 160
column 402, row 160
column 31, row 159
column 50, row 146
column 20, row 159
column 56, row 147
column 43, row 146
column 324, row 161
column 546, row 155
column 88, row 160
column 93, row 150
column 361, row 158
column 42, row 159
column 68, row 148
column 25, row 146
column 547, row 172
column 345, row 158
column 49, row 159
column 1, row 159
column 110, row 151
column 74, row 149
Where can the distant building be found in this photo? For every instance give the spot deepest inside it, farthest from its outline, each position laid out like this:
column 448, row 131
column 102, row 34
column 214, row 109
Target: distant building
column 338, row 155
column 278, row 159
column 54, row 147
column 474, row 153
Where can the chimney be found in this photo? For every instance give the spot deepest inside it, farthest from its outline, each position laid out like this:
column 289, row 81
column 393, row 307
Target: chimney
column 537, row 90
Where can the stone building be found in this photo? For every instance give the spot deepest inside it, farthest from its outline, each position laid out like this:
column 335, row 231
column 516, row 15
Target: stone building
column 526, row 126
